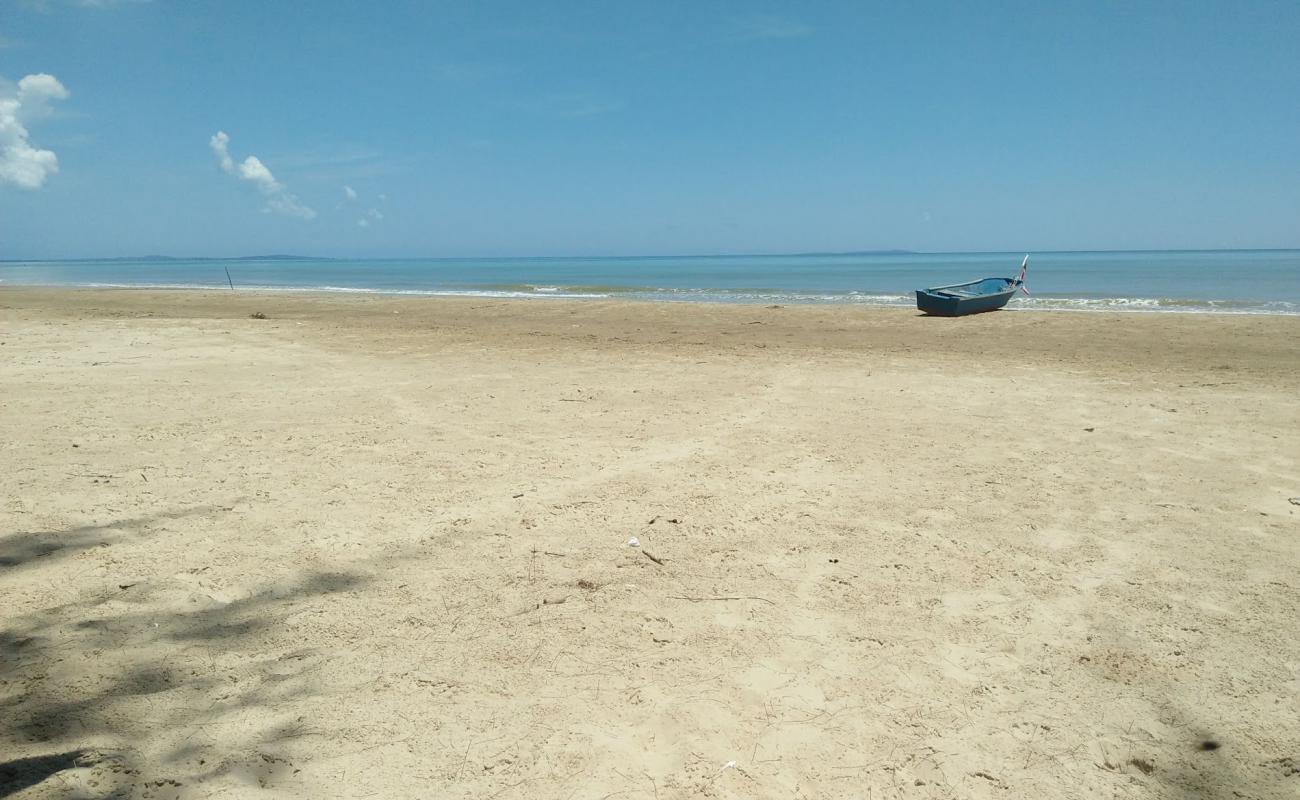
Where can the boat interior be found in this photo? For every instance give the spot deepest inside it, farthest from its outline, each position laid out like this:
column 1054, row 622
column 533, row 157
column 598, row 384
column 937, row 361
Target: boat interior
column 976, row 289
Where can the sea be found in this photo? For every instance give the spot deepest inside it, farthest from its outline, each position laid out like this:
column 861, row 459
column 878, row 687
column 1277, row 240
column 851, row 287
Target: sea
column 1218, row 281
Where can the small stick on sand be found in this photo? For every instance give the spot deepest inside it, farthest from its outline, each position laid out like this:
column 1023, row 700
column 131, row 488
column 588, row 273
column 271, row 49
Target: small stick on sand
column 653, row 557
column 702, row 599
column 549, row 601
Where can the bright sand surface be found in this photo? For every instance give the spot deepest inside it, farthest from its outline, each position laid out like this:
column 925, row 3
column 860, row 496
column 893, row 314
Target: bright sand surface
column 377, row 547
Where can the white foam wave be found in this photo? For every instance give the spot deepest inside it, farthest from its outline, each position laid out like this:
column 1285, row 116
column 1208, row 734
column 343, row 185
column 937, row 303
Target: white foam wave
column 731, row 296
column 503, row 293
column 1153, row 305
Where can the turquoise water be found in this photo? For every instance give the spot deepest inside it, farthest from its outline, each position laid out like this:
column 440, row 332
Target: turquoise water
column 1255, row 281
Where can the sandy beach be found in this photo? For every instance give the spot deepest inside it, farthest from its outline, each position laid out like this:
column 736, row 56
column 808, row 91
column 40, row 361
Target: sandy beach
column 379, row 547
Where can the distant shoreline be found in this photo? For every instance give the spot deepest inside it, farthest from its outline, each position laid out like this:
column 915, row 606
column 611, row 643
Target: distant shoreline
column 812, row 253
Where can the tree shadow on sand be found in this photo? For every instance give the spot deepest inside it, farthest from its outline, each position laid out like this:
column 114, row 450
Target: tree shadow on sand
column 146, row 688
column 31, row 548
column 1205, row 753
column 20, row 773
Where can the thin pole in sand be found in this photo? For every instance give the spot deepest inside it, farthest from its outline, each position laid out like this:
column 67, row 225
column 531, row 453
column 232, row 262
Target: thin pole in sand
column 228, row 280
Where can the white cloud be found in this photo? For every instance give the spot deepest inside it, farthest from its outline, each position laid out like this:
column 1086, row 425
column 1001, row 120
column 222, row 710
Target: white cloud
column 278, row 197
column 40, row 85
column 371, row 215
column 22, row 164
column 350, row 193
column 219, row 143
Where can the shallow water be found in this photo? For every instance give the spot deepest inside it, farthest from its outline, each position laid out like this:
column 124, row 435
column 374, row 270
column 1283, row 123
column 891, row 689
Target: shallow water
column 1255, row 281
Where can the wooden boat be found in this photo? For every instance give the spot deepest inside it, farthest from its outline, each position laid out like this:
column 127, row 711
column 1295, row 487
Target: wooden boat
column 975, row 297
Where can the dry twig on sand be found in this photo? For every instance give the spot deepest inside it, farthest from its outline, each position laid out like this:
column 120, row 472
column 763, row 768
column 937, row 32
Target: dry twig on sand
column 703, row 599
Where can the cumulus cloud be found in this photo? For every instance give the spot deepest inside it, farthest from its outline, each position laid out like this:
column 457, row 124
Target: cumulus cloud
column 278, row 198
column 220, row 144
column 21, row 164
column 40, row 85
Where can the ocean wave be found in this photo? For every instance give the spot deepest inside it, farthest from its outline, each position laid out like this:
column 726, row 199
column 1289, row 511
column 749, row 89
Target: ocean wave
column 1169, row 305
column 743, row 296
column 540, row 293
column 556, row 293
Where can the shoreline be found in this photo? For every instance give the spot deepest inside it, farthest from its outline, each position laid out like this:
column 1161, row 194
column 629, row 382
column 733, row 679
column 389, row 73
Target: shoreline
column 1084, row 305
column 1265, row 348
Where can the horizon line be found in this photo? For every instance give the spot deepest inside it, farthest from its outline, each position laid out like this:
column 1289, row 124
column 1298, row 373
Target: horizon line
column 884, row 252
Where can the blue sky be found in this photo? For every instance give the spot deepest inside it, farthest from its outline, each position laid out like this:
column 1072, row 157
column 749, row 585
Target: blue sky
column 564, row 128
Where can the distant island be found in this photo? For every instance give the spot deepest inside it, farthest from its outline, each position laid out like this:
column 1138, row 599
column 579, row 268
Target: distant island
column 157, row 258
column 290, row 257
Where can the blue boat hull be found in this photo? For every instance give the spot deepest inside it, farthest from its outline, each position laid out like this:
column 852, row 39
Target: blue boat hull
column 976, row 297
